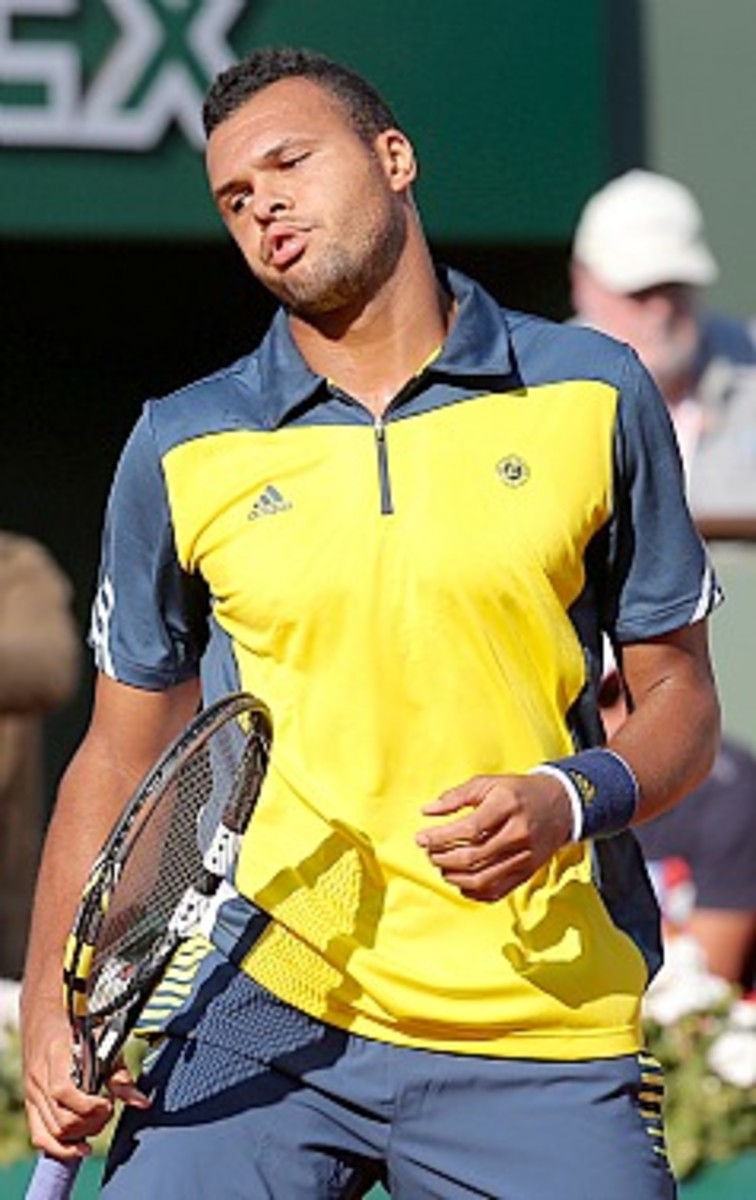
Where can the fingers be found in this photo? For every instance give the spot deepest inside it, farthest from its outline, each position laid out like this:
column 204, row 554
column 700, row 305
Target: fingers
column 508, row 827
column 484, row 867
column 477, row 852
column 466, row 795
column 484, row 877
column 121, row 1086
column 485, row 805
column 60, row 1115
column 42, row 1138
column 61, row 1120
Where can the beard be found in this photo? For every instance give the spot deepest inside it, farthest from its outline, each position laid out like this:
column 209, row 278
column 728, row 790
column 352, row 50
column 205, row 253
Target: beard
column 671, row 357
column 347, row 272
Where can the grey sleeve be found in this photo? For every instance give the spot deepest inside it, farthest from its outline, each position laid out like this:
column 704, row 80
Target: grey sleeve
column 149, row 617
column 660, row 575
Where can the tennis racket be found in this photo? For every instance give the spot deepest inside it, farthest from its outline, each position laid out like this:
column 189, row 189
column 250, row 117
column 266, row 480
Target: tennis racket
column 175, row 841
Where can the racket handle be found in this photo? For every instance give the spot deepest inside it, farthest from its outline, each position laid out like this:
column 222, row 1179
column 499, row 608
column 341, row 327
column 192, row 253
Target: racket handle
column 53, row 1179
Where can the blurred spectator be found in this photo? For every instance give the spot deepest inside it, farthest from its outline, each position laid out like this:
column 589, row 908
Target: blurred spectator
column 39, row 668
column 640, row 262
column 702, row 854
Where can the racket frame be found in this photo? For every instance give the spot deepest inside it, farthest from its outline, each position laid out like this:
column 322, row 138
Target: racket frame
column 99, row 1037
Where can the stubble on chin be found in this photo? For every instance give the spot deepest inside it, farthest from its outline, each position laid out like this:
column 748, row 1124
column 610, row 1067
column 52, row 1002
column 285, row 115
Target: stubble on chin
column 342, row 278
column 329, row 285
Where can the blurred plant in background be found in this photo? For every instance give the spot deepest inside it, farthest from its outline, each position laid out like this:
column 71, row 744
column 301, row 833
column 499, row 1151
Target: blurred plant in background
column 14, row 1142
column 703, row 1032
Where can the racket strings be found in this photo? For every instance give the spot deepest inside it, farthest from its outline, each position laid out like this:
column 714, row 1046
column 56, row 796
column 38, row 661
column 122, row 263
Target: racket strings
column 162, row 868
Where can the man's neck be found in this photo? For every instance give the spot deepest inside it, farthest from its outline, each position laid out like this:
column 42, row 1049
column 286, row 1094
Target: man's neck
column 372, row 354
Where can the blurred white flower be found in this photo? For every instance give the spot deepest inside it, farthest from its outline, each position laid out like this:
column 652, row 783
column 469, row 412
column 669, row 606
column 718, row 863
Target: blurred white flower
column 733, row 1057
column 743, row 1014
column 683, row 985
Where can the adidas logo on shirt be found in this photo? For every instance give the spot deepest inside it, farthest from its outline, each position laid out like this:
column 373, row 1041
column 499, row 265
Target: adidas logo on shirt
column 268, row 503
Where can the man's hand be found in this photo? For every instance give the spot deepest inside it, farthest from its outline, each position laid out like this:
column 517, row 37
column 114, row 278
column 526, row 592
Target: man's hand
column 509, row 826
column 61, row 1116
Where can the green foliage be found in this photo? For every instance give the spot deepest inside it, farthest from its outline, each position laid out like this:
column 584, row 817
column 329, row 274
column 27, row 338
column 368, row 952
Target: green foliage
column 708, row 1119
column 14, row 1141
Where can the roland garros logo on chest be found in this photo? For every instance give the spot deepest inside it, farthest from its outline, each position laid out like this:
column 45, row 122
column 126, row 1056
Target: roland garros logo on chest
column 512, row 470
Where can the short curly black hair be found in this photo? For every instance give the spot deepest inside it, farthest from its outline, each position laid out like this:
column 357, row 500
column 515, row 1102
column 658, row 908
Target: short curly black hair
column 366, row 109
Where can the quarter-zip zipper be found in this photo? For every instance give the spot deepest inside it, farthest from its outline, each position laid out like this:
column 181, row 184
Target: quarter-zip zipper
column 384, row 477
column 379, row 431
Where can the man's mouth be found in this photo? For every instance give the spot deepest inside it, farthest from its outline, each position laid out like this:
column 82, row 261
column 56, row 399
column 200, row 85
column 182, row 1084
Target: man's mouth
column 282, row 246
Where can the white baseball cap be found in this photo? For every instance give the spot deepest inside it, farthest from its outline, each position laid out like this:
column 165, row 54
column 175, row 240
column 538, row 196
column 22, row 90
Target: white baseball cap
column 642, row 230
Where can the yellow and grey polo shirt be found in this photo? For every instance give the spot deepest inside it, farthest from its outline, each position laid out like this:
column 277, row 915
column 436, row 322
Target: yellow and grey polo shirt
column 418, row 599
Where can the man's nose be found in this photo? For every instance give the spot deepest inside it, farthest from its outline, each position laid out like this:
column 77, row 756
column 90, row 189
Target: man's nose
column 270, row 203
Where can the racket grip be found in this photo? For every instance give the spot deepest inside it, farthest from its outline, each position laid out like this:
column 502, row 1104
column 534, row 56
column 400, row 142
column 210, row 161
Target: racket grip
column 53, row 1179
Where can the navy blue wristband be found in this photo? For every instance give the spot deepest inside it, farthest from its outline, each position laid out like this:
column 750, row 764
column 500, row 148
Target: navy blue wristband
column 606, row 788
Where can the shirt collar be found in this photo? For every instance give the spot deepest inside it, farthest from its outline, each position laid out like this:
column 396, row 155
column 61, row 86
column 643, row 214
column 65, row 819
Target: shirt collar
column 479, row 343
column 478, row 346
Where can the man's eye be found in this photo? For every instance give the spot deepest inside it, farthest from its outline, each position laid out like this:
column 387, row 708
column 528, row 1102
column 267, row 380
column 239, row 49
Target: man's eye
column 293, row 161
column 239, row 202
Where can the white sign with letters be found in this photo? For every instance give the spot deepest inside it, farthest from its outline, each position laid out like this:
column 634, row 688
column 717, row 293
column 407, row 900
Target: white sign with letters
column 139, row 89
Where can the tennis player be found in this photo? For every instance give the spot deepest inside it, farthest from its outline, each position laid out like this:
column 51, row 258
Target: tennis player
column 403, row 521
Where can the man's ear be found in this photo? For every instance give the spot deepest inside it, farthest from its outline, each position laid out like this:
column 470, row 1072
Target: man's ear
column 397, row 156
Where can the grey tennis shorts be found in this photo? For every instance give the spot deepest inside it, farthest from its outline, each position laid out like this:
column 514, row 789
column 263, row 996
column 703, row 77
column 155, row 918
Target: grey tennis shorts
column 252, row 1099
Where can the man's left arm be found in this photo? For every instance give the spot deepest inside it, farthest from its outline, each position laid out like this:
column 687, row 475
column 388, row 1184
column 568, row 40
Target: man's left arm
column 503, row 828
column 671, row 736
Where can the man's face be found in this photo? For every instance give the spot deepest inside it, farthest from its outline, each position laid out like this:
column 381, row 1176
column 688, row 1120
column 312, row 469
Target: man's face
column 319, row 216
column 660, row 323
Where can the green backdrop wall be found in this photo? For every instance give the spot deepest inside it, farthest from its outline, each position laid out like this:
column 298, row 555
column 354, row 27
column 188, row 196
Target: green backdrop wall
column 511, row 104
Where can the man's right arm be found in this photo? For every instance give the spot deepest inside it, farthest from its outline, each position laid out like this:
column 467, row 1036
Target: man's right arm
column 129, row 728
